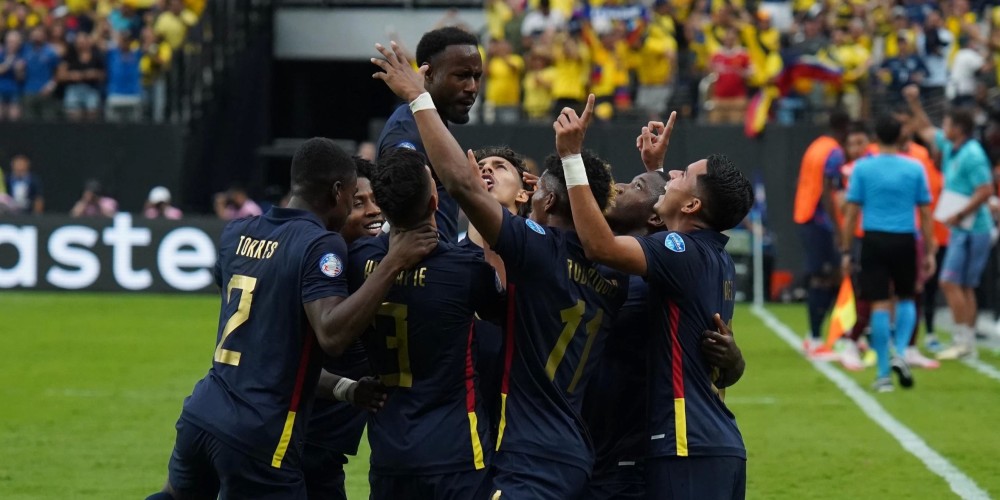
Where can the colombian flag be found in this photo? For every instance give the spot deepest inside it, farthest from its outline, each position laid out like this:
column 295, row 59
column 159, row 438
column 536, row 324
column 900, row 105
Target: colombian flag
column 844, row 314
column 800, row 74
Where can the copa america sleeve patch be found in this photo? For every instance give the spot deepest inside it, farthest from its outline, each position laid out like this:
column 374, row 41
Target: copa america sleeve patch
column 674, row 242
column 534, row 226
column 407, row 145
column 331, row 265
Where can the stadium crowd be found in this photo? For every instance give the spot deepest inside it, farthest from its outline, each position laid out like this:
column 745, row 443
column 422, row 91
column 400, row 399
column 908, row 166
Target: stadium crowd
column 731, row 60
column 89, row 59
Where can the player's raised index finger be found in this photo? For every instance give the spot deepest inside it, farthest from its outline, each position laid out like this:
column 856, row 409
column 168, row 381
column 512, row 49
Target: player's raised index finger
column 588, row 111
column 670, row 124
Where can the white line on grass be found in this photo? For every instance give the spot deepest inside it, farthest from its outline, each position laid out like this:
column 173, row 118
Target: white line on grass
column 984, row 368
column 961, row 484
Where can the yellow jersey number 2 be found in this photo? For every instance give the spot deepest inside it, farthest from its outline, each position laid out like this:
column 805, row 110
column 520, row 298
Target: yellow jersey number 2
column 246, row 285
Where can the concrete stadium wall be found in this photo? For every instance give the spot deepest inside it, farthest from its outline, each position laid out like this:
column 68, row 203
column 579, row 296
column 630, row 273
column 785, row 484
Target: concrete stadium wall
column 127, row 159
column 318, row 33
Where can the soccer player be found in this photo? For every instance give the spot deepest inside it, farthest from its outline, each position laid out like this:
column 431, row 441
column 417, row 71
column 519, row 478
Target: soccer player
column 430, row 441
column 695, row 447
column 888, row 187
column 814, row 212
column 966, row 171
column 283, row 286
column 502, row 170
column 559, row 306
column 452, row 80
column 615, row 403
column 335, row 429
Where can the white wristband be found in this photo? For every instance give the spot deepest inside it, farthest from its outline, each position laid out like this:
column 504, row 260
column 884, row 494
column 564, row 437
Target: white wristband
column 344, row 390
column 422, row 102
column 575, row 171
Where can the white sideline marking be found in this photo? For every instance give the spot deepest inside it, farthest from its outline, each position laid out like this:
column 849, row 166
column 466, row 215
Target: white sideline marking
column 984, row 368
column 962, row 485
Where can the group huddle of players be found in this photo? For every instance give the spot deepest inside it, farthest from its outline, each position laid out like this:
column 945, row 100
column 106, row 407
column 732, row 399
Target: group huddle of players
column 573, row 346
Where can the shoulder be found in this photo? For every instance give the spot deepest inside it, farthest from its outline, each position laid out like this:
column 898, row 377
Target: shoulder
column 369, row 247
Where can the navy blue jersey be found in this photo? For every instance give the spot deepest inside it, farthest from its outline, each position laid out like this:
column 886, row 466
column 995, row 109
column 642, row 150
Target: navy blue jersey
column 338, row 425
column 423, row 347
column 560, row 307
column 615, row 404
column 489, row 356
column 258, row 393
column 400, row 131
column 690, row 279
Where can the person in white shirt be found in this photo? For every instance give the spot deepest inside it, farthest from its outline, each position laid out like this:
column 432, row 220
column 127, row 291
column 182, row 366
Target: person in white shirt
column 962, row 77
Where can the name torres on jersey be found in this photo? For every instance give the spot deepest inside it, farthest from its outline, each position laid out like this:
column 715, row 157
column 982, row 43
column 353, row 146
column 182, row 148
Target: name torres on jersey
column 414, row 277
column 591, row 277
column 256, row 249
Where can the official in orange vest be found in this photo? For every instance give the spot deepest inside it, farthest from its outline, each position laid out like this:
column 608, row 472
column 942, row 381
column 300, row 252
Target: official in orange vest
column 815, row 213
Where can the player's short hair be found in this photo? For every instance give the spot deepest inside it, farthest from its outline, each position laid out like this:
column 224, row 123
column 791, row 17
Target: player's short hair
column 365, row 168
column 725, row 192
column 436, row 41
column 888, row 129
column 402, row 187
column 318, row 164
column 839, row 121
column 964, row 120
column 598, row 174
column 856, row 127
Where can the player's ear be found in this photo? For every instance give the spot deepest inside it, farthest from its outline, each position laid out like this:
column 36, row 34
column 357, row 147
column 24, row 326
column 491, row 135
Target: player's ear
column 522, row 196
column 432, row 203
column 655, row 221
column 335, row 193
column 692, row 206
column 549, row 204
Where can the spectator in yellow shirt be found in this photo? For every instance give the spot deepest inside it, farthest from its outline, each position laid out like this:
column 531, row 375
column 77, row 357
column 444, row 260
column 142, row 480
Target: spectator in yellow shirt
column 610, row 65
column 538, row 81
column 855, row 60
column 655, row 71
column 172, row 24
column 503, row 83
column 153, row 67
column 571, row 62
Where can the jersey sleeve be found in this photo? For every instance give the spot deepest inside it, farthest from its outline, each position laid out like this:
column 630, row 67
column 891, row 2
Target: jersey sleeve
column 524, row 245
column 831, row 169
column 403, row 135
column 323, row 269
column 489, row 293
column 671, row 261
column 976, row 169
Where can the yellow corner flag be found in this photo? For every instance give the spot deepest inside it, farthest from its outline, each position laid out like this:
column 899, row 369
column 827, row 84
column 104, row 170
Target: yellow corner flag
column 844, row 313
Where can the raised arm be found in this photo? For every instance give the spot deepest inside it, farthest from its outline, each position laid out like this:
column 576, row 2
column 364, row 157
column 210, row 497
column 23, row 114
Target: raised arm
column 921, row 122
column 599, row 243
column 451, row 164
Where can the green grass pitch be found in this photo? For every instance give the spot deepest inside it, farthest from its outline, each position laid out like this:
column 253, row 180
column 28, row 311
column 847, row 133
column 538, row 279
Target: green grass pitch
column 92, row 385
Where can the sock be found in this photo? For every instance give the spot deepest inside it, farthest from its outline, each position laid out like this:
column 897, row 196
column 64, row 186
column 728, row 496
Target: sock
column 880, row 340
column 864, row 312
column 906, row 320
column 964, row 336
column 163, row 495
column 918, row 300
column 819, row 301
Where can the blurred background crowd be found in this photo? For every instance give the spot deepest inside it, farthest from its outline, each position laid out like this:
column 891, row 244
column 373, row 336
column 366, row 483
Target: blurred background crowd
column 90, row 59
column 736, row 61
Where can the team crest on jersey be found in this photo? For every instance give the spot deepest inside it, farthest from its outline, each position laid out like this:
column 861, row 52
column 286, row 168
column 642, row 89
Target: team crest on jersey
column 674, row 242
column 536, row 227
column 407, row 145
column 331, row 265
